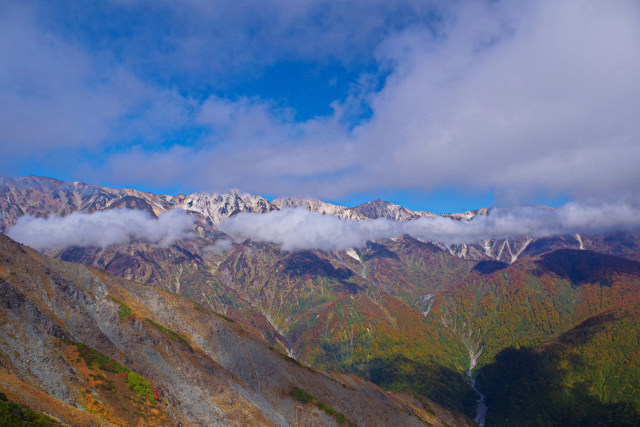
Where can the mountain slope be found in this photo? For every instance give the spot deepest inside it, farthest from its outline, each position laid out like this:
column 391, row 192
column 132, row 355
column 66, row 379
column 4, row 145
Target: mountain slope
column 410, row 315
column 534, row 299
column 331, row 315
column 70, row 330
column 42, row 403
column 590, row 375
column 412, row 270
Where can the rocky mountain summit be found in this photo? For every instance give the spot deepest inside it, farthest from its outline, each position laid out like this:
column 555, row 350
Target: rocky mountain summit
column 41, row 197
column 315, row 205
column 381, row 209
column 216, row 207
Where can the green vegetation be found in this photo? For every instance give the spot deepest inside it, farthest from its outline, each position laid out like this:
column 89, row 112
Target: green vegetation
column 199, row 307
column 443, row 385
column 141, row 386
column 222, row 316
column 384, row 341
column 96, row 360
column 302, row 396
column 13, row 414
column 292, row 360
column 588, row 376
column 125, row 311
column 172, row 334
column 534, row 301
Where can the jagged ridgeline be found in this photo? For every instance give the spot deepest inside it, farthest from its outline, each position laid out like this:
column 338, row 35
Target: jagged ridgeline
column 411, row 316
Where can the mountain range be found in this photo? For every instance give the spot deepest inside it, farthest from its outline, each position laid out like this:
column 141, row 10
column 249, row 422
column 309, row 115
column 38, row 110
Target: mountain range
column 266, row 328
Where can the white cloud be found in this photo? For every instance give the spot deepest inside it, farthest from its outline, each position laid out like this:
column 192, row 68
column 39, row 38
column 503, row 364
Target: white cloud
column 538, row 97
column 299, row 229
column 67, row 100
column 296, row 229
column 101, row 229
column 219, row 247
column 520, row 98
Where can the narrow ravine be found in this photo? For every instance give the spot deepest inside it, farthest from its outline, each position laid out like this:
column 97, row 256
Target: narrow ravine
column 288, row 345
column 481, row 409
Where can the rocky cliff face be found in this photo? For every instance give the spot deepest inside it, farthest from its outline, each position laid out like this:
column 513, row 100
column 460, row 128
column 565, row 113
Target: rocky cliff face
column 69, row 331
column 217, row 207
column 381, row 209
column 315, row 205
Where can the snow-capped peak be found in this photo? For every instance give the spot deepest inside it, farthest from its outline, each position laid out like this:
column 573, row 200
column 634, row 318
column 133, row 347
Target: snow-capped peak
column 218, row 206
column 315, row 205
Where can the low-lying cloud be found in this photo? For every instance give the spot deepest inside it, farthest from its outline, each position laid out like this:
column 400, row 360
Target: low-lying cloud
column 299, row 229
column 219, row 247
column 101, row 229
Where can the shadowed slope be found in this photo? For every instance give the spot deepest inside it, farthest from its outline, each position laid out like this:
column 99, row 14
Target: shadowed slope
column 590, row 375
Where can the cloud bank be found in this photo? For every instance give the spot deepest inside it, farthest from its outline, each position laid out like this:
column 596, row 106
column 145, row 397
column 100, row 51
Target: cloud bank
column 101, row 229
column 299, row 229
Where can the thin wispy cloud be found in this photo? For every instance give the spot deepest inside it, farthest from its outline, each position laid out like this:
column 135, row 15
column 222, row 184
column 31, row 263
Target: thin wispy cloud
column 299, row 229
column 219, row 247
column 102, row 229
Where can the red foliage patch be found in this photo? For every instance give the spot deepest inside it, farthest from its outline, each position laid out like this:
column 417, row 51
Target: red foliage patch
column 155, row 393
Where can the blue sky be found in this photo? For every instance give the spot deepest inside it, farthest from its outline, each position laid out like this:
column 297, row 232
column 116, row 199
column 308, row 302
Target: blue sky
column 436, row 105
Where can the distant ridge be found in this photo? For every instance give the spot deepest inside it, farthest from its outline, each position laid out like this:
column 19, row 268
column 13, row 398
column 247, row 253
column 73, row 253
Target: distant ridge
column 42, row 196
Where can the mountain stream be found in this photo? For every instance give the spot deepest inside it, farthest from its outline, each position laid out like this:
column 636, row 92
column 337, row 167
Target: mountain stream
column 481, row 409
